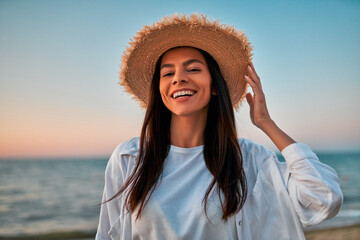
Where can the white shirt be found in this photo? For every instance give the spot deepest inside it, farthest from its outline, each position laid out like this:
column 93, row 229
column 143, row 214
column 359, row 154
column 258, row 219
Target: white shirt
column 175, row 209
column 283, row 197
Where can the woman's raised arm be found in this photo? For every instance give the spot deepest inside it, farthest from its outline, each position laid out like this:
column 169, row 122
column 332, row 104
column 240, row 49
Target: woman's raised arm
column 259, row 113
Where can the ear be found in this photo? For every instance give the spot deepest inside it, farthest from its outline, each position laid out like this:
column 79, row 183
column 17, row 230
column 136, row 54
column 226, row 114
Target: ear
column 213, row 90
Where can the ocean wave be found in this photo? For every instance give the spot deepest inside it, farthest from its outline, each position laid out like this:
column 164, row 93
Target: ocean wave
column 349, row 213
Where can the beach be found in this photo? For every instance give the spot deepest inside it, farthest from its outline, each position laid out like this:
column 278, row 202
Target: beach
column 349, row 233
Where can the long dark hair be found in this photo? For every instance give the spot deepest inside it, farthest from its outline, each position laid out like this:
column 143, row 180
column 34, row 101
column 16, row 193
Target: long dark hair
column 222, row 152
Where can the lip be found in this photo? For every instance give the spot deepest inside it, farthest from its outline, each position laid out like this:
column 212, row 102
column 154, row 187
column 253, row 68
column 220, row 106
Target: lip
column 182, row 89
column 181, row 99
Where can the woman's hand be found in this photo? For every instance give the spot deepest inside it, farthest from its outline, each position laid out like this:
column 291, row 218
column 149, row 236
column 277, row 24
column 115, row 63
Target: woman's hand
column 259, row 113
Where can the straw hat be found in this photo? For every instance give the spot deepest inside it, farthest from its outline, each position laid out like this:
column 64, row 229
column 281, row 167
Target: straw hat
column 228, row 46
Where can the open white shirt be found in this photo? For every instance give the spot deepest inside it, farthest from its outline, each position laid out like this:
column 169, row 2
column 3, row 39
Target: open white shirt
column 175, row 210
column 282, row 198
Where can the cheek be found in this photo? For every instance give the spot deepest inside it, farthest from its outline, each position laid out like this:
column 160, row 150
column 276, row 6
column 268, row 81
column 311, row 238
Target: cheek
column 163, row 88
column 209, row 86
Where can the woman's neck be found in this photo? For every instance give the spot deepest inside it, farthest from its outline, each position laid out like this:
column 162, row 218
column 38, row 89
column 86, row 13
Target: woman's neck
column 187, row 131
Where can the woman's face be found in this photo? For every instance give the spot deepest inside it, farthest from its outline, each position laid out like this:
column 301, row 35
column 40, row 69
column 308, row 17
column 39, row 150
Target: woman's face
column 185, row 81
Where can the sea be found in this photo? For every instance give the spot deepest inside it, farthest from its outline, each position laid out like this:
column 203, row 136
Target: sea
column 51, row 195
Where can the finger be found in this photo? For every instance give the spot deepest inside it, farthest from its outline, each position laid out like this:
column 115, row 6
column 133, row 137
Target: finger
column 254, row 76
column 254, row 87
column 253, row 68
column 249, row 99
column 254, row 71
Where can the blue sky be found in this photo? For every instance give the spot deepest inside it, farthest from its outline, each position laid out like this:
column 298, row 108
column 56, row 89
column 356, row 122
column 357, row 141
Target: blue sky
column 59, row 65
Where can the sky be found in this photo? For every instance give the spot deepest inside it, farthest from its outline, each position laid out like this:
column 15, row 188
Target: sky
column 60, row 61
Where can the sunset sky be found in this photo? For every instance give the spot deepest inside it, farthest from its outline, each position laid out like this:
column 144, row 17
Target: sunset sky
column 59, row 67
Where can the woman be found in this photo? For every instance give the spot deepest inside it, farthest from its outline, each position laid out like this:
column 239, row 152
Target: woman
column 188, row 176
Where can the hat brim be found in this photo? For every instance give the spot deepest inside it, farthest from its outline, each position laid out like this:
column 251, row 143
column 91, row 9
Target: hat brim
column 229, row 47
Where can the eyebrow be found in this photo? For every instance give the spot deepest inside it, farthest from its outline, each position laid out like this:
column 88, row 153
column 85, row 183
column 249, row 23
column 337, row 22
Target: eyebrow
column 188, row 62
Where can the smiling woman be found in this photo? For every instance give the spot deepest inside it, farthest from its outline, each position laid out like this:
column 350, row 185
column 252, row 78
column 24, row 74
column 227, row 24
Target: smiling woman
column 188, row 176
column 185, row 79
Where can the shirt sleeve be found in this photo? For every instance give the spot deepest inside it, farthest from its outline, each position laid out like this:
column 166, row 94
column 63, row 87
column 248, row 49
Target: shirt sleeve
column 114, row 179
column 314, row 187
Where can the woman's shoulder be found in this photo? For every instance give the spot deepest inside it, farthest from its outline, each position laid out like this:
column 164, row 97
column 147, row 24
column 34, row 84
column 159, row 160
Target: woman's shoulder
column 122, row 160
column 255, row 155
column 128, row 147
column 250, row 147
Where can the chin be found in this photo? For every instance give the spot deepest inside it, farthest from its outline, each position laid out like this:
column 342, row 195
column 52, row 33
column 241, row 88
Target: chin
column 188, row 111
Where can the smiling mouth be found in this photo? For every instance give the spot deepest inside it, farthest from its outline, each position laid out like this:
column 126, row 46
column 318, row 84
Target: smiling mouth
column 181, row 94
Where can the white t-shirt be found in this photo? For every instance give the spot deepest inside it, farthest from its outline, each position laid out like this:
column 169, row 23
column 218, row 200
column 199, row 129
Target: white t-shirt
column 282, row 197
column 176, row 208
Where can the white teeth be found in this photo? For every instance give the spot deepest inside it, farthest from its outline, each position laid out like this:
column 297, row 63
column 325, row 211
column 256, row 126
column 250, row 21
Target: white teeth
column 182, row 93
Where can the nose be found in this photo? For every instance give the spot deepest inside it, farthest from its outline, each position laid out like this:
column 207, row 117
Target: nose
column 179, row 77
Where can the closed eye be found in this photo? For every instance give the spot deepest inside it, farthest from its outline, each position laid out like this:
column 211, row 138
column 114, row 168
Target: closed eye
column 194, row 70
column 168, row 74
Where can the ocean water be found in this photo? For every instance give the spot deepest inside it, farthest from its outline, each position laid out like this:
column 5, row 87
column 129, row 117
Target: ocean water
column 347, row 166
column 53, row 195
column 50, row 195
